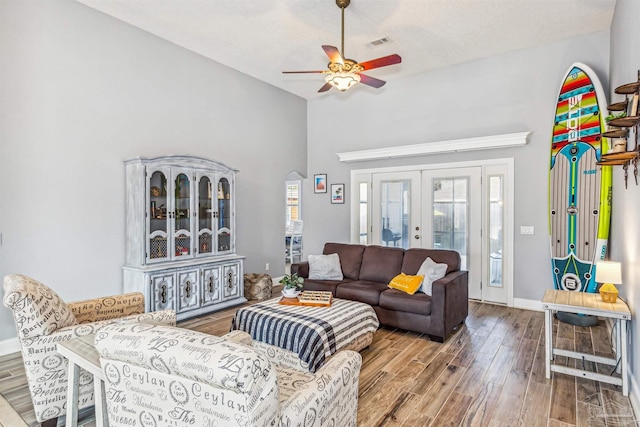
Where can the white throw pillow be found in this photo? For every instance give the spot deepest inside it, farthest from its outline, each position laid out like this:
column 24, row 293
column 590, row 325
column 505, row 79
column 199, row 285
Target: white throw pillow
column 325, row 267
column 431, row 272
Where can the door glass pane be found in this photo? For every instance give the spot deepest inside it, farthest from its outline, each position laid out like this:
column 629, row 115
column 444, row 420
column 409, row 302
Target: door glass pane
column 495, row 230
column 363, row 213
column 224, row 215
column 205, row 229
column 158, row 216
column 450, row 213
column 394, row 212
column 182, row 219
column 293, row 202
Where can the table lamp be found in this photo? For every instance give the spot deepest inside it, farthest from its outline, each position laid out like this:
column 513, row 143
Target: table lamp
column 608, row 273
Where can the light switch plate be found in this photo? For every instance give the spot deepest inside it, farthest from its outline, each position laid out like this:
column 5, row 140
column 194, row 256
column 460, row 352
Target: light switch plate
column 526, row 229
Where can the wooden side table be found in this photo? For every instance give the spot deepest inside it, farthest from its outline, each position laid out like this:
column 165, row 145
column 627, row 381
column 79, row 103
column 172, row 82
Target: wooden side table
column 589, row 304
column 81, row 353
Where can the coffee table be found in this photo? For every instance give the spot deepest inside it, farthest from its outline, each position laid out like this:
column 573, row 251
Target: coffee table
column 313, row 333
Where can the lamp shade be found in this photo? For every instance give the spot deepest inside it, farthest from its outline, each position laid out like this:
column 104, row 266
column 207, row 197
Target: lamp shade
column 608, row 272
column 342, row 80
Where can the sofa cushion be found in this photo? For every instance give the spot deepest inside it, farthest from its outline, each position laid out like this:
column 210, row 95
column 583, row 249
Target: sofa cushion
column 431, row 271
column 381, row 264
column 414, row 257
column 350, row 258
column 361, row 290
column 325, row 267
column 418, row 303
column 406, row 283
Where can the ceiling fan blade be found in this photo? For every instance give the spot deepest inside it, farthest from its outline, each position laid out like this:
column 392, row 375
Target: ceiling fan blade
column 333, row 53
column 325, row 88
column 371, row 81
column 303, row 72
column 381, row 62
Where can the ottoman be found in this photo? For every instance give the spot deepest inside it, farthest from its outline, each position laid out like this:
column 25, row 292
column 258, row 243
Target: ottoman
column 308, row 336
column 257, row 286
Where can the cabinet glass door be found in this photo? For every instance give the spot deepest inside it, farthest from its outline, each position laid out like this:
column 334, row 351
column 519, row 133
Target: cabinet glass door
column 158, row 222
column 224, row 215
column 182, row 216
column 205, row 216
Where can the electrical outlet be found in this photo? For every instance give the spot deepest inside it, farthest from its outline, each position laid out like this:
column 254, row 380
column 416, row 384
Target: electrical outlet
column 526, row 229
column 266, row 267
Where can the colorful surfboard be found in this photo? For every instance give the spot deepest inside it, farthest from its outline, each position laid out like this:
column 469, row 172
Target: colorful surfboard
column 579, row 189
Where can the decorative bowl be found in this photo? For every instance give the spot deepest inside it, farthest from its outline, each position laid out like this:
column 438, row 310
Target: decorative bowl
column 290, row 293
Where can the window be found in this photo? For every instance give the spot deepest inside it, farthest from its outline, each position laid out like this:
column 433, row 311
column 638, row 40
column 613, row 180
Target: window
column 293, row 202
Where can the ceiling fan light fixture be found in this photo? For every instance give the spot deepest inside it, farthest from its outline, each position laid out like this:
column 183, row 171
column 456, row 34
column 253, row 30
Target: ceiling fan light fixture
column 343, row 80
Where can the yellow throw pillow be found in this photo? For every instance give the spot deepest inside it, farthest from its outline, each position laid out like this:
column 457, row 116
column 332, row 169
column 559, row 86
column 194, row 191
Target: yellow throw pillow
column 406, row 283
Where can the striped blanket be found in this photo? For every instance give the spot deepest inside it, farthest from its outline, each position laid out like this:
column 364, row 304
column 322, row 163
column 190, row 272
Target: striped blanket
column 314, row 333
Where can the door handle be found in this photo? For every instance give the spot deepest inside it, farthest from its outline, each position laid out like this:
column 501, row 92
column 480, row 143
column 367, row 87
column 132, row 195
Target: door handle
column 417, row 237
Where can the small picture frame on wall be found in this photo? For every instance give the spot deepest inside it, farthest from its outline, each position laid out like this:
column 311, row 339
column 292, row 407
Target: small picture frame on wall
column 320, row 183
column 337, row 193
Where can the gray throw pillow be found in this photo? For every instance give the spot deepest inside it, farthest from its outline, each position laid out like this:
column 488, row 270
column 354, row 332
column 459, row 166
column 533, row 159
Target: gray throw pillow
column 325, row 267
column 431, row 272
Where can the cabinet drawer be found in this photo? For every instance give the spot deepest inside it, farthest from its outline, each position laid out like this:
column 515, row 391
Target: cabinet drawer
column 188, row 290
column 211, row 285
column 231, row 280
column 163, row 292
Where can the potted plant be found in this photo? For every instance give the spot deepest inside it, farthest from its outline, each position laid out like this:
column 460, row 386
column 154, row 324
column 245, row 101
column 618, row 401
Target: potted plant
column 292, row 285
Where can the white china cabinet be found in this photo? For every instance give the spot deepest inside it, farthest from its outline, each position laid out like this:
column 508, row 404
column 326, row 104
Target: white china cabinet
column 180, row 235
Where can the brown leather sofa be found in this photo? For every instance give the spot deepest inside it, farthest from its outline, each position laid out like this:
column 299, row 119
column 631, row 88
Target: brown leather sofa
column 367, row 270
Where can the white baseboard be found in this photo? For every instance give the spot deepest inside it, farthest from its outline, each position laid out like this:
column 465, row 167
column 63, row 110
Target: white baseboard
column 527, row 304
column 12, row 345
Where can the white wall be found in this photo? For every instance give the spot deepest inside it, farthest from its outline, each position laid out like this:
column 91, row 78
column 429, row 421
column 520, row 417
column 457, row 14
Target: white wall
column 509, row 93
column 80, row 93
column 625, row 227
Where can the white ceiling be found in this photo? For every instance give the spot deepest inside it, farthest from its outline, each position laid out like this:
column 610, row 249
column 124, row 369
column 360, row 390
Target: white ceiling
column 262, row 38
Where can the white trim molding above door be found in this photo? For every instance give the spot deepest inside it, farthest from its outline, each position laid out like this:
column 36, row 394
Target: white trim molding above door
column 451, row 146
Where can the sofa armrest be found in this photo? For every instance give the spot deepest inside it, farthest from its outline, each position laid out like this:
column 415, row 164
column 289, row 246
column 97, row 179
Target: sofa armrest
column 239, row 337
column 105, row 308
column 276, row 355
column 161, row 317
column 301, row 268
column 332, row 392
column 450, row 302
column 281, row 356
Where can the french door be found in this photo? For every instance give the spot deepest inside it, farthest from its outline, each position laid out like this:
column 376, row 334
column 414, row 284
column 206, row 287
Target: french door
column 466, row 209
column 451, row 200
column 395, row 220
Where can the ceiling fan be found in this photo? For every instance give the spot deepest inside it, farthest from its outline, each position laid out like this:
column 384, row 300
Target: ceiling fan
column 344, row 73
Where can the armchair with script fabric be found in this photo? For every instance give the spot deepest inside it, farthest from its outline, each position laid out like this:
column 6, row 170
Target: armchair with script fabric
column 43, row 319
column 174, row 376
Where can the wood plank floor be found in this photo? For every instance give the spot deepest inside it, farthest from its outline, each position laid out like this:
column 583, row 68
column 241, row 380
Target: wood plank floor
column 490, row 373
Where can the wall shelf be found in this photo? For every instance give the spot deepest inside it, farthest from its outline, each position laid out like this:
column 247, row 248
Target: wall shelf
column 622, row 128
column 616, row 133
column 618, row 106
column 624, row 121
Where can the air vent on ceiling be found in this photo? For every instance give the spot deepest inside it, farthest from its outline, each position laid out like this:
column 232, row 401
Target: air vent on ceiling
column 379, row 42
